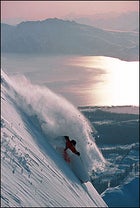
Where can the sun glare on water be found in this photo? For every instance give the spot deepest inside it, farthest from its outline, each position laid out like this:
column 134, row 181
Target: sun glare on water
column 117, row 81
column 122, row 82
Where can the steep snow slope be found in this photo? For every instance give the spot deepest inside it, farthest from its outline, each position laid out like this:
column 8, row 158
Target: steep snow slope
column 33, row 173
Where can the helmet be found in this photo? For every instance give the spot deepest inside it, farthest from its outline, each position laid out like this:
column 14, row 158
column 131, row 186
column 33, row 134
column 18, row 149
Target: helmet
column 73, row 142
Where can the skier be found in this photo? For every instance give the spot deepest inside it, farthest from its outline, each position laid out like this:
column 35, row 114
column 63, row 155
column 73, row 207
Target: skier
column 71, row 145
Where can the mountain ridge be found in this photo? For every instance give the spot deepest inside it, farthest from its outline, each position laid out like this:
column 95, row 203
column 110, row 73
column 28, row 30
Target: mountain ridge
column 56, row 36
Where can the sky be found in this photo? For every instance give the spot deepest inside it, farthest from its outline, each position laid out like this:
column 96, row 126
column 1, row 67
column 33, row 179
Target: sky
column 13, row 12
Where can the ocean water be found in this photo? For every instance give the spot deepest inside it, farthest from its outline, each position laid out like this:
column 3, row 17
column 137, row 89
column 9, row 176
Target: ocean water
column 93, row 82
column 83, row 80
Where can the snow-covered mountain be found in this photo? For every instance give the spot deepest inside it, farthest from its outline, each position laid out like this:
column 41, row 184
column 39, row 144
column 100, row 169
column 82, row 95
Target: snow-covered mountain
column 118, row 139
column 34, row 174
column 55, row 36
column 113, row 121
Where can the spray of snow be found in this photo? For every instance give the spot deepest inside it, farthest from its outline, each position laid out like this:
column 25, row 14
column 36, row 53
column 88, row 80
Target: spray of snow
column 56, row 117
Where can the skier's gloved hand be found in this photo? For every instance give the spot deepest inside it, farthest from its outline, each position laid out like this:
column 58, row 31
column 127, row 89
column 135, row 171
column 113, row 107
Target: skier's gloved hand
column 78, row 153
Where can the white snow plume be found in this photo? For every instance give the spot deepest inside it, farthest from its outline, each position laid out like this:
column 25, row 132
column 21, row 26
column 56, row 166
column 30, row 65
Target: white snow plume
column 56, row 117
column 32, row 173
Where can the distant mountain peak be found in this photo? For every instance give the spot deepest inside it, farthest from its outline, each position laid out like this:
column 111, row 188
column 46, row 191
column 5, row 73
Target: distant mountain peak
column 51, row 20
column 48, row 21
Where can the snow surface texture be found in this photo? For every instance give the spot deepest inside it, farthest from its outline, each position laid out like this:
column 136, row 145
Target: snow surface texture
column 33, row 173
column 118, row 139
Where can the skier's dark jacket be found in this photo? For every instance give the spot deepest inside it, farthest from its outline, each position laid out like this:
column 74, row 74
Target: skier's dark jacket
column 71, row 145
